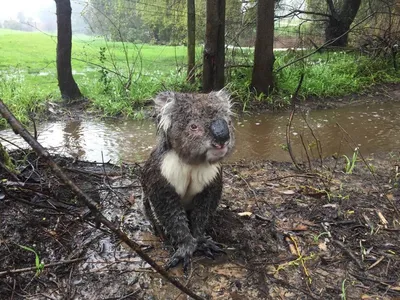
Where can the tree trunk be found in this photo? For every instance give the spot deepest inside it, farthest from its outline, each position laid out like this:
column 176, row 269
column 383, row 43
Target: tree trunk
column 68, row 87
column 262, row 79
column 214, row 48
column 191, row 24
column 340, row 21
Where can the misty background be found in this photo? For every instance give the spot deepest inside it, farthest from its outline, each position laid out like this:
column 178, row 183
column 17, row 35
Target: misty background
column 40, row 15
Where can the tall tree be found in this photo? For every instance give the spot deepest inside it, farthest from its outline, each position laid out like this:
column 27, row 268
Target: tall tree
column 191, row 42
column 262, row 78
column 68, row 87
column 339, row 21
column 166, row 19
column 214, row 48
column 338, row 16
column 118, row 20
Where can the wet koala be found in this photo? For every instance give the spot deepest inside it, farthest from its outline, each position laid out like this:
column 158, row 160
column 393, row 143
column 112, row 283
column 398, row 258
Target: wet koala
column 182, row 179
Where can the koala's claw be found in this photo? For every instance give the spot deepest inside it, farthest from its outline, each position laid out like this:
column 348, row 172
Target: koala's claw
column 176, row 259
column 183, row 254
column 209, row 254
column 209, row 247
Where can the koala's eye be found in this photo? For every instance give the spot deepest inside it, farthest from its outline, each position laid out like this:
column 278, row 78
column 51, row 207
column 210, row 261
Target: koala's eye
column 230, row 122
column 193, row 127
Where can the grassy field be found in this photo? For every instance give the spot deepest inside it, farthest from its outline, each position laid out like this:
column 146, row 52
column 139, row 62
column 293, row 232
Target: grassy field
column 28, row 73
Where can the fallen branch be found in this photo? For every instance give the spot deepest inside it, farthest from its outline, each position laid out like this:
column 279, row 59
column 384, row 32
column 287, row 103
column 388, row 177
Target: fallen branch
column 88, row 201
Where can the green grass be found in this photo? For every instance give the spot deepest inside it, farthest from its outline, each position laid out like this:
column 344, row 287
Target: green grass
column 28, row 77
column 334, row 74
column 28, row 71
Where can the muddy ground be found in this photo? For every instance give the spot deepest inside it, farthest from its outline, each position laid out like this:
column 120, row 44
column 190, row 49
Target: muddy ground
column 320, row 234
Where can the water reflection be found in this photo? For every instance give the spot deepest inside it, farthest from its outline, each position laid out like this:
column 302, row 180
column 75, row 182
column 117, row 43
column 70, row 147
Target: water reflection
column 73, row 138
column 374, row 128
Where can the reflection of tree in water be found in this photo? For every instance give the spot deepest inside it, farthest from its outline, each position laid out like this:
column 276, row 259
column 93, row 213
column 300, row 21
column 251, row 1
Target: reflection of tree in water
column 73, row 139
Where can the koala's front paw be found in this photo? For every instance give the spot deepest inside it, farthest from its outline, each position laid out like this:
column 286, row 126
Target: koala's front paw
column 209, row 247
column 184, row 253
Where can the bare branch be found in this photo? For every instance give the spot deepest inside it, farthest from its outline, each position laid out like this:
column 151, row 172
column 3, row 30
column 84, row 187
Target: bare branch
column 297, row 12
column 101, row 66
column 324, row 45
column 289, row 124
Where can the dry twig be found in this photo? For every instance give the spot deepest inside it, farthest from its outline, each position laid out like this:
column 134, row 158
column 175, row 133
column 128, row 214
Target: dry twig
column 349, row 253
column 289, row 124
column 23, row 270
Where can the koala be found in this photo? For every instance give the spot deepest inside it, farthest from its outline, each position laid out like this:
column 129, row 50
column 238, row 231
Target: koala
column 182, row 178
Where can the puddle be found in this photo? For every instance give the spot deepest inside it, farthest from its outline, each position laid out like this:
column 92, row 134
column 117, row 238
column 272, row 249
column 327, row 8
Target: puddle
column 373, row 128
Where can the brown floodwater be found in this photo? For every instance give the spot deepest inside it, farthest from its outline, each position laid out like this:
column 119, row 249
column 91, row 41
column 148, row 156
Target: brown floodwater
column 373, row 128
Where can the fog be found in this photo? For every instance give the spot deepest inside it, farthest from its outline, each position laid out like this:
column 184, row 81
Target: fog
column 32, row 15
column 38, row 15
column 31, row 9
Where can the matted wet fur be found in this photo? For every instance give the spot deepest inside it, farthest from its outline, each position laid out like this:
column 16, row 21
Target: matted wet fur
column 182, row 179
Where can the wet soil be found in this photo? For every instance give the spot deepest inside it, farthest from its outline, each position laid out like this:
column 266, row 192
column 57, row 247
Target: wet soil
column 320, row 234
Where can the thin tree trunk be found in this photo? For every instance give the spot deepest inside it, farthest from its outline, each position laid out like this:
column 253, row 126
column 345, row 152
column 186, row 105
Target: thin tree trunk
column 262, row 77
column 191, row 23
column 68, row 87
column 214, row 49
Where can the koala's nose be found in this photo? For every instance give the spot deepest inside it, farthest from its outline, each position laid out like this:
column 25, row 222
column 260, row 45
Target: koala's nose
column 220, row 131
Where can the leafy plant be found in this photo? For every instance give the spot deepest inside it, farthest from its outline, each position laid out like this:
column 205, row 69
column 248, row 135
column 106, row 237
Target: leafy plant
column 343, row 294
column 317, row 237
column 38, row 264
column 104, row 78
column 351, row 163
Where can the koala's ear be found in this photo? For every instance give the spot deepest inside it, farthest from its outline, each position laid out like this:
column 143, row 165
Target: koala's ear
column 162, row 99
column 223, row 95
column 225, row 99
column 164, row 103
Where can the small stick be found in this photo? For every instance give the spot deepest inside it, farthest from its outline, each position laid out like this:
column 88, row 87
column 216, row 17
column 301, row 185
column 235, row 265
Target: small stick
column 289, row 124
column 11, row 143
column 306, row 151
column 376, row 263
column 291, row 176
column 317, row 141
column 23, row 270
column 349, row 253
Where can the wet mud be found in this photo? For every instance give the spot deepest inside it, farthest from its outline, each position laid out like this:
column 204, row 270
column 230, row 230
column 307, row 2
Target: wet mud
column 320, row 234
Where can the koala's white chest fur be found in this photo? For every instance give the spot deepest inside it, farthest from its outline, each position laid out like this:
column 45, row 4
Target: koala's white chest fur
column 188, row 180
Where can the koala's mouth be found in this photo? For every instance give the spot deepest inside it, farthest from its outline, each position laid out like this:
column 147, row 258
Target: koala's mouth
column 217, row 152
column 219, row 146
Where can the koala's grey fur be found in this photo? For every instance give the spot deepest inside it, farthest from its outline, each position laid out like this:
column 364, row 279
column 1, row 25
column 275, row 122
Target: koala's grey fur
column 182, row 179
